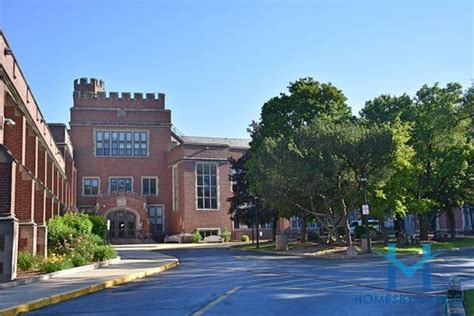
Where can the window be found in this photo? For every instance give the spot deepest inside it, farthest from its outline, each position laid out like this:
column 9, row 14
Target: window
column 233, row 179
column 206, row 186
column 175, row 177
column 266, row 225
column 239, row 225
column 120, row 185
column 150, row 186
column 121, row 143
column 90, row 186
column 208, row 232
column 155, row 217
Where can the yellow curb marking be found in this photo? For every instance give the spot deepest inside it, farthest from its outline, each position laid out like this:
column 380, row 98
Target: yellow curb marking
column 216, row 301
column 58, row 298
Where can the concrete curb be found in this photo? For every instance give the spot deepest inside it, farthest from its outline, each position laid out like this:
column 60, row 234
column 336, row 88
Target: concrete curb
column 342, row 257
column 43, row 277
column 308, row 256
column 58, row 298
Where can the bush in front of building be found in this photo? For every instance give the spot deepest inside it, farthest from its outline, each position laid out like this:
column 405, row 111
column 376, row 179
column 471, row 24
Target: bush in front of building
column 99, row 225
column 226, row 234
column 72, row 242
column 104, row 252
column 196, row 237
column 64, row 231
column 27, row 261
column 56, row 263
column 245, row 238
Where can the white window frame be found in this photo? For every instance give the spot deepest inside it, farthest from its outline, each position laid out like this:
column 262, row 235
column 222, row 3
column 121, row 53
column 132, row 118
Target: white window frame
column 219, row 232
column 157, row 185
column 83, row 186
column 196, row 185
column 109, row 184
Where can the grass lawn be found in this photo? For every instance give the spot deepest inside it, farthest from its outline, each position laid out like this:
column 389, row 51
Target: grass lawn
column 310, row 247
column 264, row 245
column 469, row 302
column 435, row 245
column 376, row 247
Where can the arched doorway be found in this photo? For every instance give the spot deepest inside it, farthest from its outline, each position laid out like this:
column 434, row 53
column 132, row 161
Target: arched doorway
column 123, row 224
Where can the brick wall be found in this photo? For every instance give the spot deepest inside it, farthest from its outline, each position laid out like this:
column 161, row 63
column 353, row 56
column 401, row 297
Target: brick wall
column 24, row 199
column 113, row 113
column 7, row 184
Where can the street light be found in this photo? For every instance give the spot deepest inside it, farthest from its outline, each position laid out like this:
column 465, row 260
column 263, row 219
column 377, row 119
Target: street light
column 365, row 211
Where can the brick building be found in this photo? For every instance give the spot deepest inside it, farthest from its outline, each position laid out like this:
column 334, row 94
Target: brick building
column 37, row 174
column 137, row 171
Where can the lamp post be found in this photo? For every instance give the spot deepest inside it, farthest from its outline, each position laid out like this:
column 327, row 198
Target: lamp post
column 365, row 211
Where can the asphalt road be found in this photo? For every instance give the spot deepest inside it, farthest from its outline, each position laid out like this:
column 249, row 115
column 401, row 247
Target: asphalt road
column 230, row 282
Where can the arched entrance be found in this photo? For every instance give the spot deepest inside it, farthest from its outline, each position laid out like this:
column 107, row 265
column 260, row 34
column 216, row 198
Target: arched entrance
column 123, row 224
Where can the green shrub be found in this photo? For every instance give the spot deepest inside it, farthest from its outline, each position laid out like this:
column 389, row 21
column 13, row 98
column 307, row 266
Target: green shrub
column 226, row 234
column 79, row 222
column 104, row 252
column 55, row 263
column 196, row 237
column 86, row 246
column 52, row 266
column 360, row 231
column 27, row 261
column 99, row 225
column 313, row 236
column 77, row 260
column 245, row 238
column 74, row 240
column 63, row 231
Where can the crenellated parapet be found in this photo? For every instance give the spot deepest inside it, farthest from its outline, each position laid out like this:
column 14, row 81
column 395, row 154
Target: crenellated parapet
column 91, row 92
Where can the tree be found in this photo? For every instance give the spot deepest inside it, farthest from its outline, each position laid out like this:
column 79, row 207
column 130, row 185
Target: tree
column 386, row 109
column 280, row 117
column 243, row 205
column 437, row 170
column 317, row 170
column 442, row 152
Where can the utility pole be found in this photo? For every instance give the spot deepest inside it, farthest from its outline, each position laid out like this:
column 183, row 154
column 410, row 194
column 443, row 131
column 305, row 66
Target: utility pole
column 365, row 211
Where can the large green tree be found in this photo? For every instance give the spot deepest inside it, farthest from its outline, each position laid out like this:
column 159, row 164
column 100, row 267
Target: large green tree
column 435, row 170
column 442, row 152
column 318, row 170
column 281, row 116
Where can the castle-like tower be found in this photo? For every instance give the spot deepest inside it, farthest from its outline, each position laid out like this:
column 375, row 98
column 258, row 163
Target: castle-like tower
column 121, row 144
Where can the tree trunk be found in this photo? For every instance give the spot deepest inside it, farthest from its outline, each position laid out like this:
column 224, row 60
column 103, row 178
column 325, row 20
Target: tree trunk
column 303, row 227
column 423, row 227
column 347, row 232
column 435, row 230
column 452, row 222
column 274, row 227
column 384, row 230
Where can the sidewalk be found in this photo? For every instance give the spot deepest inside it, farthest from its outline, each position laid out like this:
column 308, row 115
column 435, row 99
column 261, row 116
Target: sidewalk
column 136, row 263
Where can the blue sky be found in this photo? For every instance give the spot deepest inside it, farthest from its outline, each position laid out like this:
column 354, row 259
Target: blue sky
column 219, row 61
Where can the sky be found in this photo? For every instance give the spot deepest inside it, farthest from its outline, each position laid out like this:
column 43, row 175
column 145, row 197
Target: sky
column 218, row 62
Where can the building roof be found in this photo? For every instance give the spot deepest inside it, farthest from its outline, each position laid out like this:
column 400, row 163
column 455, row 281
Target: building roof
column 231, row 142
